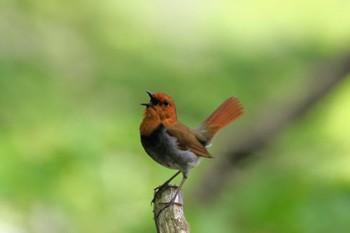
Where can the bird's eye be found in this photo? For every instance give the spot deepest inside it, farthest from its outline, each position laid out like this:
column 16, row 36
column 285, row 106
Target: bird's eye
column 166, row 103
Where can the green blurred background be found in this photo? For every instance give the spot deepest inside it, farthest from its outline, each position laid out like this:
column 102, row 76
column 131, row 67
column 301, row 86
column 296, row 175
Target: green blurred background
column 72, row 76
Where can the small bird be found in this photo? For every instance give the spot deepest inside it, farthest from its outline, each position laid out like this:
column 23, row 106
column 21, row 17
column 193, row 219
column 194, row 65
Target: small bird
column 174, row 145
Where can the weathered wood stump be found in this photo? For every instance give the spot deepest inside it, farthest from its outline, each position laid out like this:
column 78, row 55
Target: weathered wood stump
column 169, row 219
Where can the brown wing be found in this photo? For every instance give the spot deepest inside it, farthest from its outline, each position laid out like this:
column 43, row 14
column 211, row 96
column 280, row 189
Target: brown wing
column 187, row 140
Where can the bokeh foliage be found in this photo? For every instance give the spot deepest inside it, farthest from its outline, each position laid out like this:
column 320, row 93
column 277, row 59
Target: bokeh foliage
column 72, row 75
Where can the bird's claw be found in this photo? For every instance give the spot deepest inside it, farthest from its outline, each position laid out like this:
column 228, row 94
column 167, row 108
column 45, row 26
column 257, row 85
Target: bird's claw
column 167, row 207
column 157, row 189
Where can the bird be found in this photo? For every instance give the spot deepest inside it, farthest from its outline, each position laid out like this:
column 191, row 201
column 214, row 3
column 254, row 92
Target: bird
column 176, row 146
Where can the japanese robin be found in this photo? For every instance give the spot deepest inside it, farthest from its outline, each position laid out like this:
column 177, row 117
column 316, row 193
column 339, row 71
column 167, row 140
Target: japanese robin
column 173, row 144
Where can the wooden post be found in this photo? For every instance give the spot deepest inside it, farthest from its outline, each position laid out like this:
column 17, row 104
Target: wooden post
column 172, row 219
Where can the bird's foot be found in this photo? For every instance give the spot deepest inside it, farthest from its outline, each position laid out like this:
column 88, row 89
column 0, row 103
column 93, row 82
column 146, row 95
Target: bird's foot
column 158, row 189
column 168, row 205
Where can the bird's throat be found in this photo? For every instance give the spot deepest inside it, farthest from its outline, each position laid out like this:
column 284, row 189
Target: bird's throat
column 152, row 120
column 149, row 123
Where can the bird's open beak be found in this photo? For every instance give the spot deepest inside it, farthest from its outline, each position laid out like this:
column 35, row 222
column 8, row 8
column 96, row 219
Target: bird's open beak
column 150, row 103
column 150, row 94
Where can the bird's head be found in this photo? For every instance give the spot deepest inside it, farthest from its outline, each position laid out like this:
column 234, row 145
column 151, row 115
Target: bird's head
column 161, row 105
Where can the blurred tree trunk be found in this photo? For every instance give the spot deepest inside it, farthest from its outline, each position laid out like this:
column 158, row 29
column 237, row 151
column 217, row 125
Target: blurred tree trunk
column 258, row 135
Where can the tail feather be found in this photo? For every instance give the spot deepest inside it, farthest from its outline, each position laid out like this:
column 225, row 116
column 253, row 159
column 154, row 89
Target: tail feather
column 227, row 112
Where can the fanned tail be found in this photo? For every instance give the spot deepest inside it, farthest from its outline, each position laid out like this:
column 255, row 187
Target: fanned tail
column 227, row 112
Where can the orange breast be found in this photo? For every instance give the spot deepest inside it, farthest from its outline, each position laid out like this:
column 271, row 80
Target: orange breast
column 150, row 122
